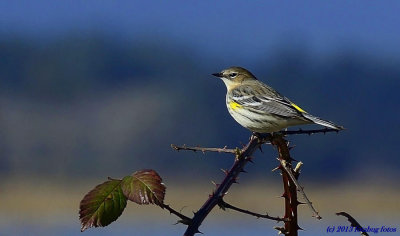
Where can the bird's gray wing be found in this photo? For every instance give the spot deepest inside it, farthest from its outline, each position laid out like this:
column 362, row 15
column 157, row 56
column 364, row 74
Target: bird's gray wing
column 265, row 101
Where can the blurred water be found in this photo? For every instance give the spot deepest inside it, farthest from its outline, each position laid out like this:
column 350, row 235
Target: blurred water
column 30, row 208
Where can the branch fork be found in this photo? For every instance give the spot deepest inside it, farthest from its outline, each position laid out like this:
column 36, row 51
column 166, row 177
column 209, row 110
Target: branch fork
column 242, row 157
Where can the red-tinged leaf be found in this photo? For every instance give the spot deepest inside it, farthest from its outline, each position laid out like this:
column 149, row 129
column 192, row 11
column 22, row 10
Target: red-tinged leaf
column 144, row 187
column 102, row 205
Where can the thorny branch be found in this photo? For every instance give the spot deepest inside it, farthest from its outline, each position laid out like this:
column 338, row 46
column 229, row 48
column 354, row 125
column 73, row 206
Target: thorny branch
column 227, row 150
column 202, row 149
column 291, row 227
column 224, row 205
column 300, row 189
column 184, row 219
column 353, row 222
column 243, row 156
column 309, row 132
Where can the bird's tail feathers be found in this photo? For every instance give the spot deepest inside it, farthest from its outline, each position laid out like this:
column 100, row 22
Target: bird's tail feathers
column 322, row 122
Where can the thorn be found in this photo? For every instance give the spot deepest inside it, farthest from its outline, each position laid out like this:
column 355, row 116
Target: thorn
column 243, row 171
column 216, row 185
column 225, row 171
column 281, row 230
column 221, row 206
column 275, row 169
column 296, row 203
column 317, row 216
column 260, row 149
column 250, row 159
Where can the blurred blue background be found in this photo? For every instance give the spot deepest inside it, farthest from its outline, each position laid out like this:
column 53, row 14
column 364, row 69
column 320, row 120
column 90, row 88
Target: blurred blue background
column 91, row 89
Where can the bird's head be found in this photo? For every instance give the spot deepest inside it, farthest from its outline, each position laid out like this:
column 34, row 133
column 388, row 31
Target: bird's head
column 234, row 76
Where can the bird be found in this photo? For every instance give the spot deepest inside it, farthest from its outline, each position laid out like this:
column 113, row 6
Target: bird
column 260, row 108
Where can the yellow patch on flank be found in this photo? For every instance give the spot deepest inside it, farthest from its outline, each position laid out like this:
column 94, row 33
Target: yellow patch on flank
column 298, row 108
column 234, row 105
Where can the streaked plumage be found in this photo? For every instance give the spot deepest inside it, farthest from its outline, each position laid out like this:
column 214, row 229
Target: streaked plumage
column 260, row 108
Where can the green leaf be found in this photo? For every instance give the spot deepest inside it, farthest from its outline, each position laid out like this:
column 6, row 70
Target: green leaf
column 102, row 205
column 144, row 187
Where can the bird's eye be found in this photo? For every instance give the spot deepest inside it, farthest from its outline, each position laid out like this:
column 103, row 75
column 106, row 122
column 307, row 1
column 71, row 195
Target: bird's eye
column 232, row 75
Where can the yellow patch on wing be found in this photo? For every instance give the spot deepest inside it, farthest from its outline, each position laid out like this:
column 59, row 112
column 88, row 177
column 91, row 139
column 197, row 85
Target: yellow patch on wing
column 234, row 105
column 298, row 108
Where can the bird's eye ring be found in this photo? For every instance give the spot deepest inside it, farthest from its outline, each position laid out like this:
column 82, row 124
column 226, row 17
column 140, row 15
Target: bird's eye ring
column 232, row 75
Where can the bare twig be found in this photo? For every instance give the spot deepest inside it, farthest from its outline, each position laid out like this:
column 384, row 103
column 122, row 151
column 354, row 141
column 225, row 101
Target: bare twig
column 202, row 149
column 353, row 222
column 225, row 205
column 262, row 136
column 300, row 189
column 184, row 219
column 309, row 132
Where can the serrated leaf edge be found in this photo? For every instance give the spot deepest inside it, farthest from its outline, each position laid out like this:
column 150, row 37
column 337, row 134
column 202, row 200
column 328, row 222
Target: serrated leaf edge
column 85, row 226
column 158, row 202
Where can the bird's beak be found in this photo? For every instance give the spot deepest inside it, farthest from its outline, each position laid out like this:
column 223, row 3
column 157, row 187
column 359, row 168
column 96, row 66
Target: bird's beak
column 217, row 75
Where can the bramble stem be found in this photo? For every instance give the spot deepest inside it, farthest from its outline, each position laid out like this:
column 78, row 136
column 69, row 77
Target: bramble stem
column 300, row 189
column 184, row 219
column 242, row 157
column 353, row 222
column 202, row 149
column 224, row 205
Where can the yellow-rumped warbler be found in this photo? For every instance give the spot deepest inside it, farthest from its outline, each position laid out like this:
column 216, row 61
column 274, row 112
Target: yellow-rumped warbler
column 260, row 108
